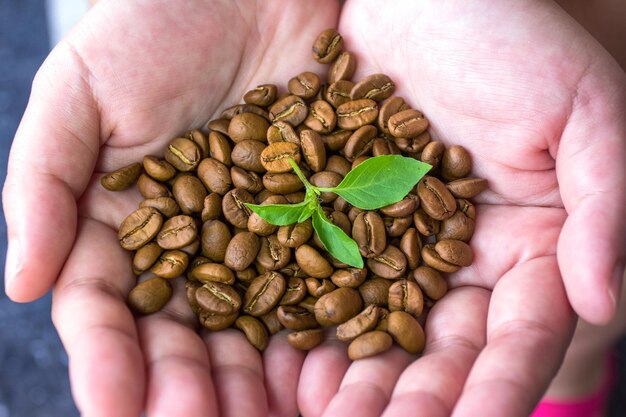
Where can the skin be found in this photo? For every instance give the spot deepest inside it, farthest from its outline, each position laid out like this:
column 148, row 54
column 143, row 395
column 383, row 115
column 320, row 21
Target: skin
column 539, row 106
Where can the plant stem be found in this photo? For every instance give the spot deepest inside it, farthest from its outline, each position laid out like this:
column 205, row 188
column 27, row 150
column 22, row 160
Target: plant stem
column 300, row 175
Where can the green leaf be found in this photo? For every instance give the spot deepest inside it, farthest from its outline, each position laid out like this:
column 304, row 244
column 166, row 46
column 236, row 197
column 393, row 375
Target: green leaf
column 336, row 242
column 380, row 181
column 283, row 214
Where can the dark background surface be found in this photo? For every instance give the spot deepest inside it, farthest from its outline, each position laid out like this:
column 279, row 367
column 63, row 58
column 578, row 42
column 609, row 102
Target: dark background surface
column 33, row 365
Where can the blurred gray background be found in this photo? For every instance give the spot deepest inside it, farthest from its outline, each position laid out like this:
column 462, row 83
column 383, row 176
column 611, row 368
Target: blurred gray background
column 33, row 365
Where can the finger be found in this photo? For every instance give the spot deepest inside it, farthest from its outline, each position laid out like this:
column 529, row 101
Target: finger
column 530, row 324
column 51, row 160
column 455, row 332
column 237, row 372
column 321, row 376
column 592, row 177
column 96, row 328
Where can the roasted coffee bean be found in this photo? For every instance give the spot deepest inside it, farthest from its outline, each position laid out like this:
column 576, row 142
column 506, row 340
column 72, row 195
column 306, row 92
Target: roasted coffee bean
column 215, row 322
column 459, row 226
column 264, row 292
column 376, row 87
column 177, row 232
column 171, row 264
column 433, row 153
column 466, row 207
column 275, row 158
column 192, row 248
column 150, row 188
column 248, row 126
column 342, row 68
column 413, row 145
column 336, row 140
column 350, row 277
column 290, row 109
column 158, row 169
column 356, row 113
column 145, row 257
column 407, row 123
column 262, row 96
column 390, row 264
column 435, row 198
column 406, row 296
column 353, row 213
column 281, row 131
column 167, row 206
column 234, row 207
column 190, row 289
column 338, row 164
column 215, row 176
column 255, row 331
column 305, row 85
column 455, row 252
column 201, row 140
column 296, row 318
column 402, row 208
column 363, row 322
column 313, row 150
column 220, row 149
column 183, row 154
column 150, row 296
column 406, row 331
column 189, row 193
column 306, row 339
column 396, row 226
column 425, row 224
column 327, row 46
column 467, row 187
column 242, row 250
column 411, row 247
column 122, row 178
column 312, row 263
column 218, row 298
column 295, row 291
column 272, row 255
column 360, row 159
column 369, row 344
column 318, row 287
column 383, row 323
column 326, row 179
column 360, row 143
column 431, row 282
column 259, row 225
column 456, row 163
column 247, row 155
column 233, row 111
column 249, row 181
column 309, row 303
column 338, row 306
column 218, row 125
column 295, row 234
column 212, row 272
column 384, row 146
column 368, row 230
column 286, row 183
column 214, row 240
column 247, row 274
column 389, row 108
column 340, row 204
column 270, row 320
column 139, row 228
column 321, row 117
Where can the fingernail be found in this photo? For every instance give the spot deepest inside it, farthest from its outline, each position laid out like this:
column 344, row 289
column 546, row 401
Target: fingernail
column 13, row 265
column 616, row 283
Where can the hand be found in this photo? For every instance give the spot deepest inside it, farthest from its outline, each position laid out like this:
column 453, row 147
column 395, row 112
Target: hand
column 540, row 106
column 128, row 79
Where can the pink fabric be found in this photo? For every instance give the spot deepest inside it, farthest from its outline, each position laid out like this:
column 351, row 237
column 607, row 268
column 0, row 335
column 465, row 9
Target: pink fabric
column 593, row 405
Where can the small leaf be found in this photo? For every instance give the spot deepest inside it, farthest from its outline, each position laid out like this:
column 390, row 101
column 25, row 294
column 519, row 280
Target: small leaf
column 336, row 242
column 380, row 181
column 282, row 214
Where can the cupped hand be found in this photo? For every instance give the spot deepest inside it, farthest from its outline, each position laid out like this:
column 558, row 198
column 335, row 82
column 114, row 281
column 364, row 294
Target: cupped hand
column 540, row 106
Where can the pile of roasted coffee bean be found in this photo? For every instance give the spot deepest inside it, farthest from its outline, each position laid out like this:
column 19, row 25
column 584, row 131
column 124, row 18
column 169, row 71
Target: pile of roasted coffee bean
column 242, row 271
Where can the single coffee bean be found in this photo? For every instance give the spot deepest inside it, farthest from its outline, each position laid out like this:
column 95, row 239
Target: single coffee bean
column 356, row 113
column 402, row 208
column 150, row 188
column 390, row 264
column 309, row 303
column 306, row 339
column 376, row 87
column 383, row 323
column 275, row 158
column 338, row 306
column 375, row 291
column 234, row 207
column 432, row 153
column 233, row 111
column 296, row 318
column 192, row 248
column 214, row 240
column 218, row 125
column 262, row 96
column 368, row 230
column 216, row 322
column 406, row 296
column 247, row 155
column 389, row 108
column 353, row 213
column 318, row 287
column 396, row 226
column 122, row 178
column 456, row 163
column 249, row 181
column 326, row 179
column 150, row 296
column 158, row 169
column 305, row 85
column 290, row 109
column 327, row 46
column 200, row 140
column 313, row 150
column 335, row 141
column 467, row 187
column 434, row 260
column 413, row 145
column 282, row 183
column 167, row 206
column 295, row 234
column 247, row 274
column 384, row 146
column 215, row 176
column 259, row 225
column 338, row 164
column 359, row 160
column 363, row 322
column 248, row 126
column 466, row 207
column 406, row 331
column 220, row 149
column 369, row 344
column 312, row 263
column 350, row 277
column 264, row 292
column 272, row 255
column 321, row 117
column 342, row 68
column 360, row 143
column 139, row 228
column 177, row 232
column 189, row 193
column 242, row 251
column 426, row 225
column 455, row 252
column 411, row 246
column 183, row 154
column 212, row 272
column 295, row 291
column 459, row 226
column 254, row 330
column 431, row 282
column 270, row 320
column 145, row 257
column 435, row 198
column 407, row 123
column 171, row 264
column 281, row 131
column 218, row 298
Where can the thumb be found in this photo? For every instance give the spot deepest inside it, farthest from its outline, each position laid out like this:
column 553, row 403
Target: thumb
column 50, row 163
